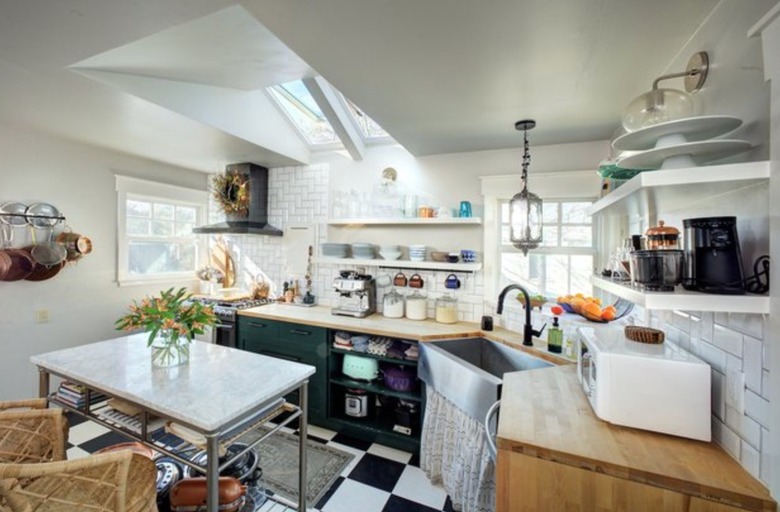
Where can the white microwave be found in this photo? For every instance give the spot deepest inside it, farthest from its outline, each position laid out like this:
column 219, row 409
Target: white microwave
column 661, row 387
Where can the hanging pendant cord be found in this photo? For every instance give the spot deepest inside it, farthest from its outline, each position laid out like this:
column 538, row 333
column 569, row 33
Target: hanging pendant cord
column 526, row 159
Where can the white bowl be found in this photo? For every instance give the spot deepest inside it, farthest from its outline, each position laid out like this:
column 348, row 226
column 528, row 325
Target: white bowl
column 390, row 255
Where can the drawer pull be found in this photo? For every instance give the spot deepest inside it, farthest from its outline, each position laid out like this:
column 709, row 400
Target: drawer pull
column 300, row 332
column 256, row 324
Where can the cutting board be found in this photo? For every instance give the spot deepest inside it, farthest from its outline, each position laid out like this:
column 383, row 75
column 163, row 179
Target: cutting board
column 221, row 259
column 296, row 242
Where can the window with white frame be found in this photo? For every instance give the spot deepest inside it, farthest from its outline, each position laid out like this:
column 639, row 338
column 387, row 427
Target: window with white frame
column 563, row 263
column 155, row 238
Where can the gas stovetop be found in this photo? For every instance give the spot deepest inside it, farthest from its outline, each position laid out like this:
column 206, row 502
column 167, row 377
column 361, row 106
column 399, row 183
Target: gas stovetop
column 226, row 309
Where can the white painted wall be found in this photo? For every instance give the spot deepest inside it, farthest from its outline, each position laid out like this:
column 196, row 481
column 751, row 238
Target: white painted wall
column 83, row 300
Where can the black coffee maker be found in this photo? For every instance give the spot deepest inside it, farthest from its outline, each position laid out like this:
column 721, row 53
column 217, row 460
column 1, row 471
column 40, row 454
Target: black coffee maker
column 713, row 260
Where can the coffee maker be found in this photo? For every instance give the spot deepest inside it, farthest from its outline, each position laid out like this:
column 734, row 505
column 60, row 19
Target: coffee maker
column 713, row 260
column 357, row 294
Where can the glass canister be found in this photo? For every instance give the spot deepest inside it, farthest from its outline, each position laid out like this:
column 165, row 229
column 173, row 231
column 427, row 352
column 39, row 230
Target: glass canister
column 662, row 237
column 393, row 304
column 447, row 309
column 416, row 306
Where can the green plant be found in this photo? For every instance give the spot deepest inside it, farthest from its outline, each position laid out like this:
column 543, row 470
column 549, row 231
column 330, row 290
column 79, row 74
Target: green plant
column 169, row 314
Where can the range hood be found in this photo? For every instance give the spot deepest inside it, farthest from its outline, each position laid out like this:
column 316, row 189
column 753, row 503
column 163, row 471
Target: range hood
column 256, row 222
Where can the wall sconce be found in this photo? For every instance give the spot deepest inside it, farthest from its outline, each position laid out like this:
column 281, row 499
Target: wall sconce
column 661, row 105
column 525, row 208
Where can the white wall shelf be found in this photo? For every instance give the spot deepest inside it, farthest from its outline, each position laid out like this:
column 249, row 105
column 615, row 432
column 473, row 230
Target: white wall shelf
column 412, row 221
column 419, row 265
column 684, row 300
column 670, row 190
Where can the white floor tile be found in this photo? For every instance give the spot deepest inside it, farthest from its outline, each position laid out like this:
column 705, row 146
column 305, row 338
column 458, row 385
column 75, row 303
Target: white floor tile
column 322, row 433
column 76, row 453
column 357, row 453
column 352, row 495
column 85, row 431
column 415, row 486
column 390, row 453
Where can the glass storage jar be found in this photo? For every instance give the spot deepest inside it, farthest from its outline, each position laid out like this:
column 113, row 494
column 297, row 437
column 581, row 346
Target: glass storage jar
column 393, row 304
column 416, row 306
column 662, row 237
column 446, row 309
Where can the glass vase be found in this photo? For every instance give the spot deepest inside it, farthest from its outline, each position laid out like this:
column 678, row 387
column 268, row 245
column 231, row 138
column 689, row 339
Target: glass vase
column 168, row 351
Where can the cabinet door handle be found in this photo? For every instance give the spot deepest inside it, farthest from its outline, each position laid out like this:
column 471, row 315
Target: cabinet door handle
column 257, row 324
column 300, row 332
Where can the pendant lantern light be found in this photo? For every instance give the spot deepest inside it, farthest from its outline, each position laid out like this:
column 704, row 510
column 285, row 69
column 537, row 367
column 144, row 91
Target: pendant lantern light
column 525, row 208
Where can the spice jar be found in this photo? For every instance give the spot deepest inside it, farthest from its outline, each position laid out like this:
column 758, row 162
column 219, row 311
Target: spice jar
column 393, row 305
column 416, row 306
column 446, row 309
column 662, row 237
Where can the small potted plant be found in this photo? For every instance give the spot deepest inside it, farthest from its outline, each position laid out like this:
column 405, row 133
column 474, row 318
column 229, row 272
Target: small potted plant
column 170, row 322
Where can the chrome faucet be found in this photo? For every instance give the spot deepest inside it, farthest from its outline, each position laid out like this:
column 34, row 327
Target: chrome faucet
column 528, row 330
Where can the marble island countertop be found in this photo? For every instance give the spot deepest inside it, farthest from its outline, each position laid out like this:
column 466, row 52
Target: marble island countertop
column 201, row 393
column 379, row 325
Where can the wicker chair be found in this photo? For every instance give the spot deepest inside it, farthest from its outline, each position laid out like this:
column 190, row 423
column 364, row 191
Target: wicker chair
column 29, row 432
column 109, row 482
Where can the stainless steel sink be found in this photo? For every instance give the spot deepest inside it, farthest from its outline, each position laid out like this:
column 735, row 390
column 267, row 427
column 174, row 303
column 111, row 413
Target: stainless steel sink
column 469, row 371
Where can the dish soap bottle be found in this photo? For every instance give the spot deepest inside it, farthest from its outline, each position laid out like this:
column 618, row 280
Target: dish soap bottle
column 555, row 337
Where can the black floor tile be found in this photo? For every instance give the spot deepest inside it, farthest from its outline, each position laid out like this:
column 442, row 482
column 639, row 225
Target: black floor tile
column 101, row 441
column 399, row 504
column 448, row 505
column 377, row 472
column 329, row 493
column 74, row 419
column 415, row 460
column 346, row 440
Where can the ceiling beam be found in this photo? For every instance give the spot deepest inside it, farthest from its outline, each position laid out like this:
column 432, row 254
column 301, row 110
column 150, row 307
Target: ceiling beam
column 333, row 109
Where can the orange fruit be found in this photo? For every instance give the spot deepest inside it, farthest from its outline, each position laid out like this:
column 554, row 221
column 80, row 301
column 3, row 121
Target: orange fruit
column 611, row 308
column 592, row 309
column 577, row 303
column 608, row 314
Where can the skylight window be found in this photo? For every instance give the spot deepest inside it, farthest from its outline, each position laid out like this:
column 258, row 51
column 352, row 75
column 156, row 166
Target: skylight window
column 296, row 101
column 369, row 128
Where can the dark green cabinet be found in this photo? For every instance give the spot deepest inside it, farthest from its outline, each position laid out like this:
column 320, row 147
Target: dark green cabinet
column 293, row 342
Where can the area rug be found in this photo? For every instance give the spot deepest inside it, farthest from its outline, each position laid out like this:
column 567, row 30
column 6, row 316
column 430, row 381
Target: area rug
column 279, row 461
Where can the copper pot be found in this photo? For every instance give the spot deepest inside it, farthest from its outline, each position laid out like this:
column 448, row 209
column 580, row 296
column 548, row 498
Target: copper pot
column 21, row 265
column 189, row 495
column 77, row 245
column 40, row 272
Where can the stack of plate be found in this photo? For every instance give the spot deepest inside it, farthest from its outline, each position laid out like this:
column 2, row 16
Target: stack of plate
column 417, row 252
column 333, row 250
column 363, row 251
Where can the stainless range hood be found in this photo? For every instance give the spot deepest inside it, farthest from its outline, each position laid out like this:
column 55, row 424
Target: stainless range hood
column 256, row 222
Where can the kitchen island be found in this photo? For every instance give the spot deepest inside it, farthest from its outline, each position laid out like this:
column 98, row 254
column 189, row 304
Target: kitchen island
column 208, row 395
column 555, row 454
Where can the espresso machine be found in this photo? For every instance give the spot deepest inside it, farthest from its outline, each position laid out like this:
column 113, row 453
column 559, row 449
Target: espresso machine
column 357, row 294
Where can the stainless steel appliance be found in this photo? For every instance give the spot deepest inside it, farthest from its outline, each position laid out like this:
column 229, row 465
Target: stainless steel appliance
column 357, row 294
column 713, row 260
column 356, row 403
column 227, row 311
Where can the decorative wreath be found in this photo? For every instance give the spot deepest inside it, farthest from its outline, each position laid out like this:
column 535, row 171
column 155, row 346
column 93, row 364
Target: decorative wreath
column 231, row 190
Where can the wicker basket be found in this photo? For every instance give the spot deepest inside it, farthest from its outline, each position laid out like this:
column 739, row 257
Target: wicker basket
column 644, row 334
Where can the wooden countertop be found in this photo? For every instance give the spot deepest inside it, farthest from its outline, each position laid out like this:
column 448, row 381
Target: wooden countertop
column 545, row 414
column 379, row 325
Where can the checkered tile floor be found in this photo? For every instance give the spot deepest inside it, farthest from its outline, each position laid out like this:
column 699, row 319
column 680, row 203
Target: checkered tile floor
column 379, row 478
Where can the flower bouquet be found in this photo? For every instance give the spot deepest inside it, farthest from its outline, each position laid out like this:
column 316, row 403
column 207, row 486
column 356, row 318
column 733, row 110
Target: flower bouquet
column 170, row 322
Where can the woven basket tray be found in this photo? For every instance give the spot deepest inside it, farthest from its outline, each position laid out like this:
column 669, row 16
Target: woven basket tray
column 644, row 334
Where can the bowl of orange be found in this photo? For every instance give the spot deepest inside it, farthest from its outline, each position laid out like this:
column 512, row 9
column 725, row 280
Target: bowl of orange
column 591, row 308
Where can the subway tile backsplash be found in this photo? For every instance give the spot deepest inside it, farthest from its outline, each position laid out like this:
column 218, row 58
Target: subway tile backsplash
column 730, row 341
column 725, row 340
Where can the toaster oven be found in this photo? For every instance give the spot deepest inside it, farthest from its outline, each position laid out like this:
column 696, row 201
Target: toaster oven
column 661, row 387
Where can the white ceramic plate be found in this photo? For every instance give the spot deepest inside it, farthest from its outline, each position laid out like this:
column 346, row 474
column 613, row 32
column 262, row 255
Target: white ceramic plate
column 691, row 129
column 672, row 157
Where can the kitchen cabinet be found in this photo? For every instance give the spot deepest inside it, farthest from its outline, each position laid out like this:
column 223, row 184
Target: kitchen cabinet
column 379, row 425
column 651, row 193
column 555, row 454
column 292, row 342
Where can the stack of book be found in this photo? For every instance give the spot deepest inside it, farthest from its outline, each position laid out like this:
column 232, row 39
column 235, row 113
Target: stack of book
column 76, row 394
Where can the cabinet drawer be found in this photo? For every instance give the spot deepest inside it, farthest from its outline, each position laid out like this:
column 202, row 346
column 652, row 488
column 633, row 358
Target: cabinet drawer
column 253, row 328
column 307, row 337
